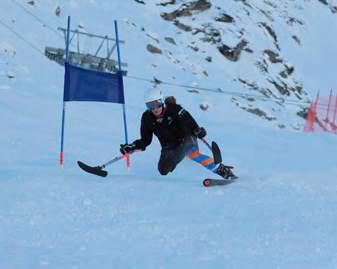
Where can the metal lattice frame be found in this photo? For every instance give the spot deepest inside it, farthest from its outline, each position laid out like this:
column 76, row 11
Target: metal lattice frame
column 87, row 60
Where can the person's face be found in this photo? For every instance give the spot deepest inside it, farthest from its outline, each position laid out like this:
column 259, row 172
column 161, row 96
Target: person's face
column 157, row 111
column 156, row 107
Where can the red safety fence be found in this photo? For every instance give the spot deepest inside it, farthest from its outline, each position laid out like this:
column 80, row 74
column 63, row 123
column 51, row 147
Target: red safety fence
column 322, row 114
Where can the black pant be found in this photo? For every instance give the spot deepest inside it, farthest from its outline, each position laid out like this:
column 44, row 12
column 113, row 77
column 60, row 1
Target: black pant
column 169, row 158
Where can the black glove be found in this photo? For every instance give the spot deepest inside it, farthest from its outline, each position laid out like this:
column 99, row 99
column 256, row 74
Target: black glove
column 200, row 132
column 127, row 148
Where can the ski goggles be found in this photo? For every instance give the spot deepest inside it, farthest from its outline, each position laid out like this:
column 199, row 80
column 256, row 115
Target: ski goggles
column 154, row 105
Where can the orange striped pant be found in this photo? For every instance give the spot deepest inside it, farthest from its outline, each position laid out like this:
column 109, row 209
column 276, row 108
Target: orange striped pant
column 202, row 159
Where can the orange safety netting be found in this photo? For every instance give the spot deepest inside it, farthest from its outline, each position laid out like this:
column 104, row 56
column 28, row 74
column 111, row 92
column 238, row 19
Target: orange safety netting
column 322, row 114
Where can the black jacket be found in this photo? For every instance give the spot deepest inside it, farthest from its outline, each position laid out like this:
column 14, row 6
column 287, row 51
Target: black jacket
column 171, row 129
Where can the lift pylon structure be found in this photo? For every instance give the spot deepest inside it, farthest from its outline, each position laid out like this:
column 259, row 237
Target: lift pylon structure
column 95, row 61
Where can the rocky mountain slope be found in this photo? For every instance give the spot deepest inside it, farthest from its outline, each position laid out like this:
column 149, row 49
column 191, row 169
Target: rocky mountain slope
column 251, row 37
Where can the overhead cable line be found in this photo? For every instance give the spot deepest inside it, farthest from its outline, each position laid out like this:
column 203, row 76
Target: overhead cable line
column 232, row 93
column 39, row 20
column 21, row 37
column 36, row 17
column 278, row 100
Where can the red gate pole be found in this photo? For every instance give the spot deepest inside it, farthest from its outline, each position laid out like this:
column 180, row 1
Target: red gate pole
column 334, row 124
column 311, row 117
column 326, row 120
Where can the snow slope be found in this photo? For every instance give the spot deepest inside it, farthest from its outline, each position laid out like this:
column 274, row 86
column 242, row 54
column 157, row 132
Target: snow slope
column 280, row 214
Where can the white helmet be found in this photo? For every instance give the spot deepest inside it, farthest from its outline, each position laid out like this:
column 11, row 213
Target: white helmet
column 153, row 95
column 153, row 99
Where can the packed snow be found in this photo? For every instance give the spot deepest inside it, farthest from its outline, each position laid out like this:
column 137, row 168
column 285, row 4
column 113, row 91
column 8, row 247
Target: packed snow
column 280, row 213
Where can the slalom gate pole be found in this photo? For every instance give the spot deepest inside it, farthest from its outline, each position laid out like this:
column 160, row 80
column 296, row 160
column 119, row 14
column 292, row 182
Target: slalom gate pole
column 64, row 103
column 128, row 160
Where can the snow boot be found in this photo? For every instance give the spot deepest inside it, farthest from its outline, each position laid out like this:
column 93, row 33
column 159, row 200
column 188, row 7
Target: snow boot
column 224, row 171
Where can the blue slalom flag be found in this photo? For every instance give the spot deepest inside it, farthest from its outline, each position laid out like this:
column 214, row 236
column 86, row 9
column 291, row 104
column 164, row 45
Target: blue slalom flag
column 87, row 85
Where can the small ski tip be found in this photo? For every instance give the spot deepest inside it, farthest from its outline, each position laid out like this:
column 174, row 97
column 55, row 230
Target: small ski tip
column 210, row 182
column 96, row 170
column 206, row 182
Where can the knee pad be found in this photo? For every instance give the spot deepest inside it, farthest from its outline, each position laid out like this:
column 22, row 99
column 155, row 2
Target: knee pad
column 165, row 169
column 163, row 172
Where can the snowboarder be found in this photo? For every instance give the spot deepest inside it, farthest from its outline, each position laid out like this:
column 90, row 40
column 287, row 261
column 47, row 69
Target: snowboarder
column 177, row 132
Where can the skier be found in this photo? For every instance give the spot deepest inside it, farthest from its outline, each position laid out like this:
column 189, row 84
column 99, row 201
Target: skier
column 177, row 132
